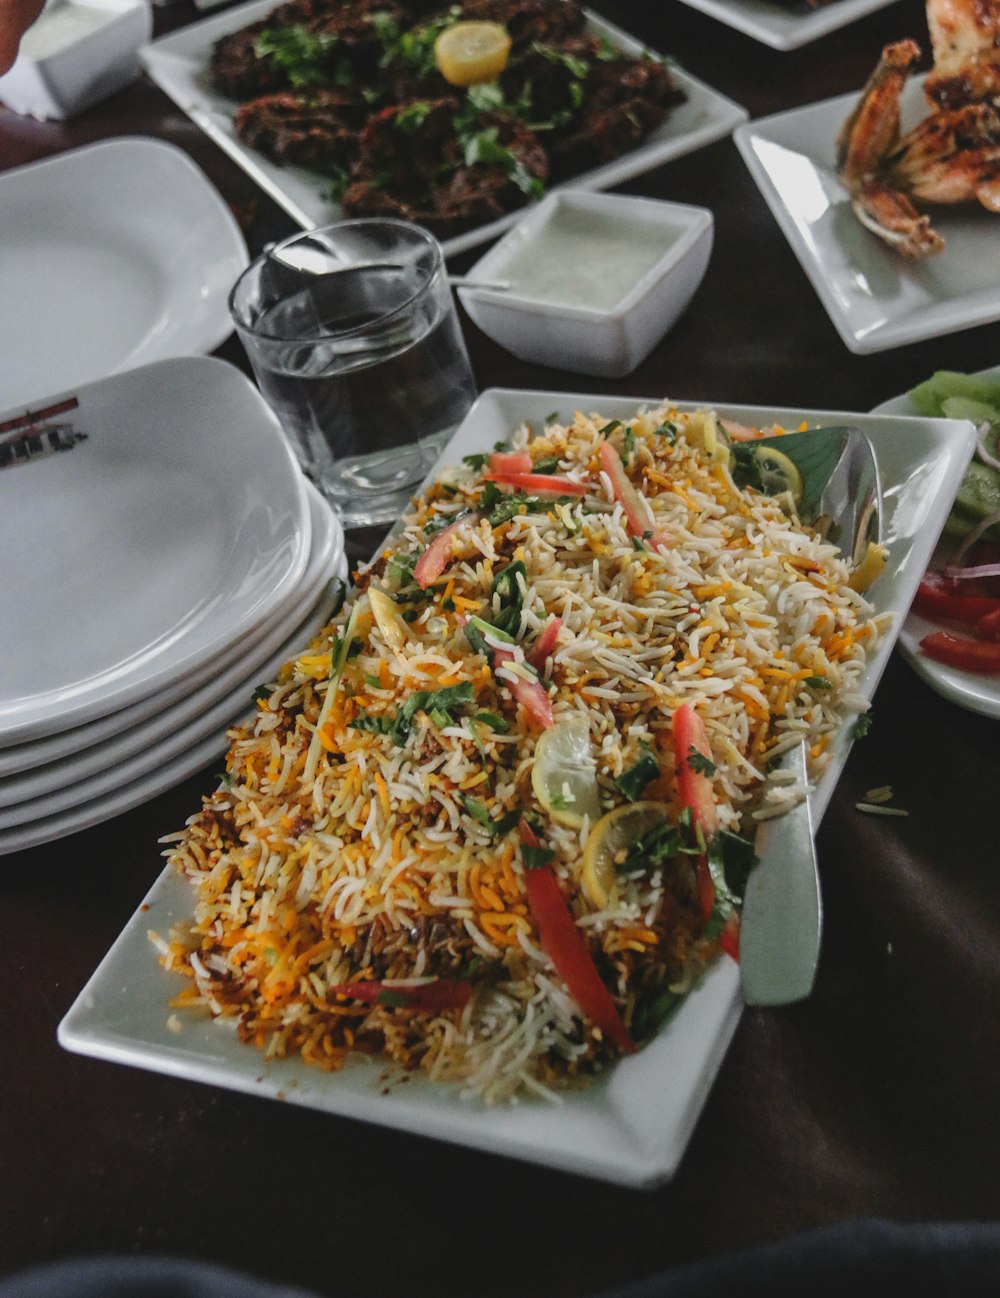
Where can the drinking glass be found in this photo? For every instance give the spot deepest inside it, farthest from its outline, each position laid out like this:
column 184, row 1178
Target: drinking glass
column 355, row 341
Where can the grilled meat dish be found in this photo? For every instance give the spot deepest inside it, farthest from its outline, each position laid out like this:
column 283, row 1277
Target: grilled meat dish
column 350, row 89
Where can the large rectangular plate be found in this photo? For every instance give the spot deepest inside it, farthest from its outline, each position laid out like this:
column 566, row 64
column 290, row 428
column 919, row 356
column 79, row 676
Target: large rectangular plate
column 632, row 1123
column 179, row 65
column 875, row 297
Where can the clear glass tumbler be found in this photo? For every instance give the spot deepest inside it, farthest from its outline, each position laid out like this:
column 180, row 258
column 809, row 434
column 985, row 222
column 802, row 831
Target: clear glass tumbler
column 354, row 338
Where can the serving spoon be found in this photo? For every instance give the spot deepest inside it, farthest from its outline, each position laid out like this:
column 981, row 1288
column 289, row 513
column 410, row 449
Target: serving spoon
column 782, row 915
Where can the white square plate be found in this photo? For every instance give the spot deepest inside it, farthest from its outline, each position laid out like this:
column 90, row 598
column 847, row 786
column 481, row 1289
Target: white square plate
column 786, row 26
column 978, row 693
column 875, row 298
column 150, row 522
column 112, row 256
column 179, row 65
column 632, row 1123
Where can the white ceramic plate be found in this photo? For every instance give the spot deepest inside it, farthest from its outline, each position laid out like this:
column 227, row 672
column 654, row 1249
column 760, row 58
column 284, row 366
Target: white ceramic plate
column 135, row 789
column 155, row 523
column 178, row 63
column 786, row 26
column 113, row 255
column 89, row 769
column 970, row 690
column 157, row 715
column 631, row 1124
column 875, row 298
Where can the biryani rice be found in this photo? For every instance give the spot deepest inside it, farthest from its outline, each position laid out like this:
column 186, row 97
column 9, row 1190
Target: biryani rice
column 373, row 851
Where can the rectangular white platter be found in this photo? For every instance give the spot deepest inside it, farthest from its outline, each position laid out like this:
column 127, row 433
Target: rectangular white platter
column 786, row 26
column 630, row 1125
column 178, row 63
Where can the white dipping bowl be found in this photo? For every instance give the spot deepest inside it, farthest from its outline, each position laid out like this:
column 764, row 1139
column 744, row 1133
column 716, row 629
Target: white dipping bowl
column 596, row 279
column 76, row 53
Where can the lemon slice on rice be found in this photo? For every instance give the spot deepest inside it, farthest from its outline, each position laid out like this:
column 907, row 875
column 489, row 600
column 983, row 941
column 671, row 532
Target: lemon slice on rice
column 778, row 474
column 469, row 53
column 563, row 776
column 610, row 843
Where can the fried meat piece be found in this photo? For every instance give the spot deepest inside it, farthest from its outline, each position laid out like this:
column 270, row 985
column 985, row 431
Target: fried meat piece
column 315, row 128
column 599, row 106
column 418, row 169
column 528, row 21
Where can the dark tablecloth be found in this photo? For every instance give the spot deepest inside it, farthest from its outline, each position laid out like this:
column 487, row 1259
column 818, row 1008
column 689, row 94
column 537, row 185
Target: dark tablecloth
column 873, row 1102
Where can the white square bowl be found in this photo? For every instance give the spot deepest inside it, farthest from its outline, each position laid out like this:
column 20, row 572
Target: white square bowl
column 76, row 54
column 596, row 279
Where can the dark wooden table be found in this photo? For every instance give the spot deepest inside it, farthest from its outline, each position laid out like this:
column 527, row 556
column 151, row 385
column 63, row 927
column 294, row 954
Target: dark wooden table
column 877, row 1097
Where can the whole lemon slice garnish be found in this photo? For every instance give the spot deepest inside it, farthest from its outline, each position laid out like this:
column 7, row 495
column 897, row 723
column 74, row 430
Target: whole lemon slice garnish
column 469, row 53
column 563, row 775
column 611, row 841
column 778, row 474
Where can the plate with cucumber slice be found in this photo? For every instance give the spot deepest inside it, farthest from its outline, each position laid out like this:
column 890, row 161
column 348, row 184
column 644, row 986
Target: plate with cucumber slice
column 953, row 619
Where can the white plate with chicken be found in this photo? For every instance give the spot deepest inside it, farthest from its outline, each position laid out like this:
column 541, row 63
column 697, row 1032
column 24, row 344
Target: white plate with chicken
column 889, row 197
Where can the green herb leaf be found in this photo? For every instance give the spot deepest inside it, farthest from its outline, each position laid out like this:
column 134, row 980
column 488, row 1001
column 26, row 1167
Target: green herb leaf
column 535, row 857
column 698, row 762
column 633, row 781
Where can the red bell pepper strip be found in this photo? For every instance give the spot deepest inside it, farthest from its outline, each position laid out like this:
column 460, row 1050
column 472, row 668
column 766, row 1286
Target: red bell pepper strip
column 961, row 651
column 729, row 938
column 439, row 553
column 511, row 462
column 937, row 599
column 695, row 790
column 427, row 998
column 545, row 643
column 545, row 482
column 636, row 507
column 565, row 947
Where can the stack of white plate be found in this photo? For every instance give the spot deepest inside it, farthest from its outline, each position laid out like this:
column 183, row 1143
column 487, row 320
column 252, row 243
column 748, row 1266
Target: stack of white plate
column 162, row 557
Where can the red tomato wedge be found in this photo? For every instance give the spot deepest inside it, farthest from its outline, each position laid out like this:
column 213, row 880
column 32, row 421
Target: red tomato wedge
column 988, row 627
column 960, row 651
column 694, row 785
column 937, row 598
column 695, row 790
column 564, row 945
column 530, row 694
column 544, row 482
column 545, row 643
column 511, row 462
column 440, row 552
column 632, row 502
column 444, row 994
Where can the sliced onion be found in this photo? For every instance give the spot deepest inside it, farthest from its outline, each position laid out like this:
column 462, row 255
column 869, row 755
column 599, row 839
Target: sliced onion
column 969, row 540
column 985, row 428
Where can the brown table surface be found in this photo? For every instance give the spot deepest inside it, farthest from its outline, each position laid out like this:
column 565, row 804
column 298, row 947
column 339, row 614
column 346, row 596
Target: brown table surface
column 877, row 1097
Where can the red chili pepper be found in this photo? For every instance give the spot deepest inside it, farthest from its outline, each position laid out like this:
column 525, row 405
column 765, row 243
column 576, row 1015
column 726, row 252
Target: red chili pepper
column 960, row 651
column 427, row 998
column 546, row 482
column 565, row 947
column 937, row 599
column 695, row 790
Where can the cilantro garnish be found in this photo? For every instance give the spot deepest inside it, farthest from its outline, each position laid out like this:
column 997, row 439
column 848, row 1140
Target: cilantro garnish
column 633, row 781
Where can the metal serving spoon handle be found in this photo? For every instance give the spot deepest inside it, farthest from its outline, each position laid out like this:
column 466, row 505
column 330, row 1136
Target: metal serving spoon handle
column 782, row 915
column 782, row 919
